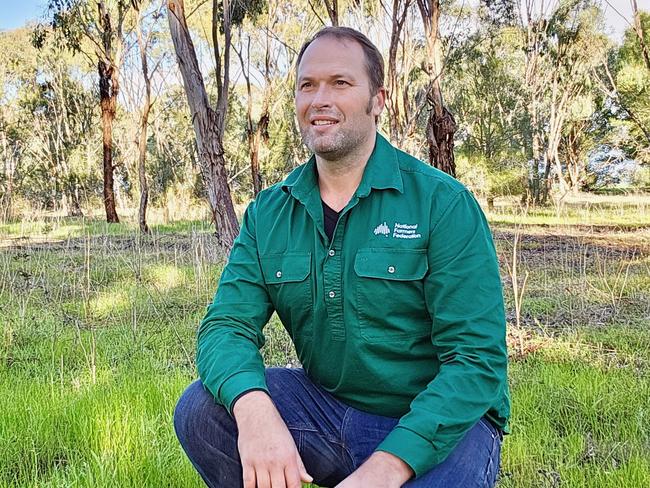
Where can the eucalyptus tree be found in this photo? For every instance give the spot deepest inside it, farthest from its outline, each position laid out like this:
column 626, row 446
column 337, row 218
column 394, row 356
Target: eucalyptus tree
column 60, row 110
column 534, row 24
column 625, row 80
column 96, row 29
column 641, row 32
column 210, row 123
column 43, row 113
column 563, row 43
column 441, row 125
column 485, row 90
column 575, row 48
column 12, row 73
column 398, row 101
column 332, row 7
column 146, row 33
column 257, row 128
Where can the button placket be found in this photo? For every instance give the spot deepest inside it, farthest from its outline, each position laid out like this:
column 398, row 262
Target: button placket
column 332, row 281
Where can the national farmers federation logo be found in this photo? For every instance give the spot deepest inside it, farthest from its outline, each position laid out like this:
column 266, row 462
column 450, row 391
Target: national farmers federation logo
column 400, row 231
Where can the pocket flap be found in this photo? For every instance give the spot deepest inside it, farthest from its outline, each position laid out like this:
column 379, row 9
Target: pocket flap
column 285, row 268
column 391, row 264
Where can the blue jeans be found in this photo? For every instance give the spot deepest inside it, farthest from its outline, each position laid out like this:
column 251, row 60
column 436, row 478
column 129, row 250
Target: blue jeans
column 333, row 439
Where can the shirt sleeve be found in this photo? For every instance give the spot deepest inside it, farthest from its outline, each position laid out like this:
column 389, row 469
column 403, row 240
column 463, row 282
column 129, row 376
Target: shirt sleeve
column 464, row 298
column 230, row 335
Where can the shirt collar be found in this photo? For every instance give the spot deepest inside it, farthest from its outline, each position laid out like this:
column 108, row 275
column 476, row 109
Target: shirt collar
column 381, row 172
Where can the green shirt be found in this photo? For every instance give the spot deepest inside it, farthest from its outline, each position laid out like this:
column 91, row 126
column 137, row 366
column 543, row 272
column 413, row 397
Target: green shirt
column 400, row 314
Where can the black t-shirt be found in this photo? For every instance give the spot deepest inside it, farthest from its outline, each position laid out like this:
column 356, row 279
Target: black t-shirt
column 331, row 217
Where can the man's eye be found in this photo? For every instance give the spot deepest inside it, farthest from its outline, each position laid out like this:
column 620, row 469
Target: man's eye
column 305, row 85
column 341, row 82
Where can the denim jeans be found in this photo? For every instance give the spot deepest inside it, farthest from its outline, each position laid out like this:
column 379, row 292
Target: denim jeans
column 333, row 439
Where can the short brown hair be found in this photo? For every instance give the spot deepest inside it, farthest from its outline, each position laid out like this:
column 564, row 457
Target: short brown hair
column 374, row 61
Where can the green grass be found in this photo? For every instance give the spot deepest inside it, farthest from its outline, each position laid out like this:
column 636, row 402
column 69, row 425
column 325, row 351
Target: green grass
column 580, row 416
column 98, row 323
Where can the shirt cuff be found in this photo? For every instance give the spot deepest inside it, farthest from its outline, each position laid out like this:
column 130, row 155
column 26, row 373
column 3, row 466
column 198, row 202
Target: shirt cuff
column 238, row 384
column 411, row 448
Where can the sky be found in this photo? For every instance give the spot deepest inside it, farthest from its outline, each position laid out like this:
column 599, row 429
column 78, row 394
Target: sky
column 15, row 13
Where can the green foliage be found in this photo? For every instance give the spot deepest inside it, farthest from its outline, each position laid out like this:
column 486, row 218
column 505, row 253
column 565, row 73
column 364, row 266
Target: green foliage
column 629, row 110
column 241, row 10
column 491, row 178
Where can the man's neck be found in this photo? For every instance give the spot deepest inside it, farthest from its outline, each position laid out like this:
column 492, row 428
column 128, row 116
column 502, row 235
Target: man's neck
column 339, row 179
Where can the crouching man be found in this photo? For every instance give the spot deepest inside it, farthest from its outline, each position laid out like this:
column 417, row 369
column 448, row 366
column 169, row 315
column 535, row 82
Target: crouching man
column 384, row 273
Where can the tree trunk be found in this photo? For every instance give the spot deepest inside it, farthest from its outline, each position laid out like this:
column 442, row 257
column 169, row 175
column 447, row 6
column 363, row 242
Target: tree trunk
column 638, row 29
column 396, row 117
column 144, row 123
column 108, row 114
column 332, row 7
column 142, row 174
column 534, row 185
column 490, row 203
column 6, row 199
column 108, row 90
column 534, row 30
column 75, row 201
column 254, row 133
column 208, row 126
column 441, row 125
column 253, row 144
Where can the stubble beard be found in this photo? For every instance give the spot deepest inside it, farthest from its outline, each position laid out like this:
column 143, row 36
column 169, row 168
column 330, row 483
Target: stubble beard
column 334, row 146
column 331, row 146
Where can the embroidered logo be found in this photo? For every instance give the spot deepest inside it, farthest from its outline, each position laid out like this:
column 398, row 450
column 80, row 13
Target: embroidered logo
column 382, row 229
column 406, row 231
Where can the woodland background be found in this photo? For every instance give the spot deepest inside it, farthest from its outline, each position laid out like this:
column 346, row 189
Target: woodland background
column 532, row 98
column 123, row 172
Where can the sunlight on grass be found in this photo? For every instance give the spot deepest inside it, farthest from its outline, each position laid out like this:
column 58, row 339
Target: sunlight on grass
column 108, row 303
column 165, row 277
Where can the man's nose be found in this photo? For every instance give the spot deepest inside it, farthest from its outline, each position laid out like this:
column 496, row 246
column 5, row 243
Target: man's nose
column 322, row 97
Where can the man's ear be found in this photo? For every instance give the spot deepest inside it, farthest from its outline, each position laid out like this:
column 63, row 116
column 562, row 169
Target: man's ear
column 379, row 101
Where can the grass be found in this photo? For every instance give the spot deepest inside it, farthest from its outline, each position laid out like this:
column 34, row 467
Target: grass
column 97, row 330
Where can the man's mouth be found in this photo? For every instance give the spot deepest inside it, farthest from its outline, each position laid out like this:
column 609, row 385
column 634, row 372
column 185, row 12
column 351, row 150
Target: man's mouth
column 322, row 121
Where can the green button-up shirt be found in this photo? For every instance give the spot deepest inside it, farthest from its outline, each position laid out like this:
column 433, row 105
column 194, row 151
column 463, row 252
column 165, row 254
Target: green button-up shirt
column 399, row 314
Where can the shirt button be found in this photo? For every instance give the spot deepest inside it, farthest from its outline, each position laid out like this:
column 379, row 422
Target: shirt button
column 332, row 294
column 278, row 274
column 391, row 269
column 331, row 252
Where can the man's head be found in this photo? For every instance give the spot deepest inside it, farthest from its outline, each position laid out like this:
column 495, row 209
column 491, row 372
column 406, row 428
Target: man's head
column 339, row 91
column 374, row 63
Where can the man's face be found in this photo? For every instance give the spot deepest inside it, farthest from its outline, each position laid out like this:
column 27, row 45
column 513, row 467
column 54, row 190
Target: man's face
column 336, row 112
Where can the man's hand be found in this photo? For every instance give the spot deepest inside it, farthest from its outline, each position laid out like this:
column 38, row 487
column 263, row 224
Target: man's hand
column 381, row 470
column 268, row 454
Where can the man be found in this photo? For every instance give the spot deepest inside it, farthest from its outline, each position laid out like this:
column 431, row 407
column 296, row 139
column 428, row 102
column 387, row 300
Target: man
column 383, row 271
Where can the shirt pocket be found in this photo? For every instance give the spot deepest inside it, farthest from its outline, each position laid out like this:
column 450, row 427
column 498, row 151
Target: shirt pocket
column 390, row 294
column 288, row 280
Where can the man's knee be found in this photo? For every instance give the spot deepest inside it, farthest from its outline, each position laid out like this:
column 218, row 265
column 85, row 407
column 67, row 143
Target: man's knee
column 208, row 435
column 195, row 411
